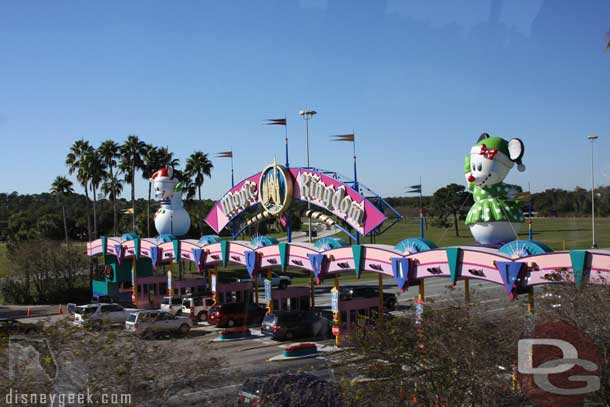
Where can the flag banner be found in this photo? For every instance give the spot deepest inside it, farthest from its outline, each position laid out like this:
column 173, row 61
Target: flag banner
column 414, row 191
column 418, row 186
column 225, row 154
column 344, row 137
column 276, row 122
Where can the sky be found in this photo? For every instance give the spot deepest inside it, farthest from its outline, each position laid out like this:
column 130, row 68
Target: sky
column 418, row 82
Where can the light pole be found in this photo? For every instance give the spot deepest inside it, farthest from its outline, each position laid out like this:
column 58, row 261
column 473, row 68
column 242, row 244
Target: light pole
column 593, row 243
column 307, row 115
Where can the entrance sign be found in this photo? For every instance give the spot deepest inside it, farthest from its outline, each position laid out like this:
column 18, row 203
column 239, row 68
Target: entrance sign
column 276, row 186
column 275, row 189
column 335, row 200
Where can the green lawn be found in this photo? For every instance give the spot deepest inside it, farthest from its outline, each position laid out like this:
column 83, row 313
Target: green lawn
column 575, row 231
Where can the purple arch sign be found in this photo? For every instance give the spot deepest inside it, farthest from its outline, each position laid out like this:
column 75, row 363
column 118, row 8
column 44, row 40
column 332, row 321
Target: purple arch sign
column 310, row 186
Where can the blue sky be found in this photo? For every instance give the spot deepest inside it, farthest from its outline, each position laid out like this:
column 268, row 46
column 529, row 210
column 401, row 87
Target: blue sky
column 417, row 80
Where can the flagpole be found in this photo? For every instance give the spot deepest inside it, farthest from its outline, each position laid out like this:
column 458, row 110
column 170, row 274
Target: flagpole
column 530, row 226
column 288, row 223
column 355, row 178
column 232, row 172
column 421, row 212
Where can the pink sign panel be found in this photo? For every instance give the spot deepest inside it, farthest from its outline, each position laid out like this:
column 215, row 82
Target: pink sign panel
column 311, row 186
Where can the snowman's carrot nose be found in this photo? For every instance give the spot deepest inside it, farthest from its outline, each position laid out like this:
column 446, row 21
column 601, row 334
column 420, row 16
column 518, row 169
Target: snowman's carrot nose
column 470, row 178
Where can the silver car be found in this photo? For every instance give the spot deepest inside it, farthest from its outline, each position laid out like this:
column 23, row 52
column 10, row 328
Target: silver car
column 150, row 324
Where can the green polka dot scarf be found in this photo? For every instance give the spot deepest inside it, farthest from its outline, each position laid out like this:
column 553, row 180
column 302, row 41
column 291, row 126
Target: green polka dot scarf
column 491, row 205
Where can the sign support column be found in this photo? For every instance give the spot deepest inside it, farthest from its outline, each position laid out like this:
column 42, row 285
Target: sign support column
column 336, row 312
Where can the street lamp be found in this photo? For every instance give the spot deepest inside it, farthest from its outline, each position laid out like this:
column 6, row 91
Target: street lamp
column 307, row 115
column 593, row 243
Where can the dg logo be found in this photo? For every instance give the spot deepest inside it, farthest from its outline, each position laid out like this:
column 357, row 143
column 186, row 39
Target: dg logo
column 558, row 366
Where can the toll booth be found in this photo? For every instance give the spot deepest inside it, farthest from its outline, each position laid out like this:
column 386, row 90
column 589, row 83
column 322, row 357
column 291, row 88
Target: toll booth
column 152, row 288
column 355, row 313
column 291, row 299
column 234, row 292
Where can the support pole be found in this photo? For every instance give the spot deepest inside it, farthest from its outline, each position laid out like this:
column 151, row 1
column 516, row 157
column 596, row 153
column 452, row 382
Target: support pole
column 337, row 316
column 170, row 289
column 530, row 301
column 134, row 286
column 270, row 302
column 312, row 291
column 215, row 293
column 255, row 288
column 467, row 291
column 421, row 296
column 380, row 285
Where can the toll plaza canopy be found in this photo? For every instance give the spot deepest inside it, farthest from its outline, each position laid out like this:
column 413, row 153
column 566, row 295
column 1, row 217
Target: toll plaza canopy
column 516, row 265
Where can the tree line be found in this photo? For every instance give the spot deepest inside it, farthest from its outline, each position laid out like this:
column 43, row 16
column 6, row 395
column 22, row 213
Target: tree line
column 63, row 213
column 108, row 168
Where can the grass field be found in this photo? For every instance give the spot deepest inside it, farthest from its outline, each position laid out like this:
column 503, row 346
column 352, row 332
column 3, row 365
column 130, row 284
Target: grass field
column 552, row 231
column 576, row 232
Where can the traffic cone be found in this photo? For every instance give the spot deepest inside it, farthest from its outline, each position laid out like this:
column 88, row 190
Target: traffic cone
column 61, row 311
column 29, row 312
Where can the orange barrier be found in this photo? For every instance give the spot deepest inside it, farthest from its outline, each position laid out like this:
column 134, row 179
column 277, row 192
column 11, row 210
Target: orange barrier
column 60, row 311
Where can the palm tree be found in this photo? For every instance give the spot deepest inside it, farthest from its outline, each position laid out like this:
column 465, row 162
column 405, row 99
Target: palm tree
column 151, row 164
column 108, row 151
column 112, row 187
column 75, row 160
column 132, row 151
column 97, row 173
column 61, row 187
column 199, row 166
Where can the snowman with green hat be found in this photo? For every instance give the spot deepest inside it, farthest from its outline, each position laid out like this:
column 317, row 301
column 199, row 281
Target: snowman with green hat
column 495, row 217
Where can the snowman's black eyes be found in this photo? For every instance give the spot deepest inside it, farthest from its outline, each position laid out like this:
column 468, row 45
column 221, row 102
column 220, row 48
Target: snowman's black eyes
column 479, row 167
column 473, row 167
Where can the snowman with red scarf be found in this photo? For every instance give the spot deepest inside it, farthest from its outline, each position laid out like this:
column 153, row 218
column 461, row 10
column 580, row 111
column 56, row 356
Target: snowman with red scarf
column 496, row 216
column 171, row 218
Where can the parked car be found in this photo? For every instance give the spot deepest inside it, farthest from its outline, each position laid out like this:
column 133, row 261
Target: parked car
column 290, row 325
column 110, row 299
column 250, row 392
column 12, row 326
column 172, row 305
column 236, row 314
column 98, row 314
column 389, row 299
column 276, row 280
column 197, row 308
column 149, row 324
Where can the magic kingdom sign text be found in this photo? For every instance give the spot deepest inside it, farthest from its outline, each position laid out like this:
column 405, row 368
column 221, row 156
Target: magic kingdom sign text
column 306, row 185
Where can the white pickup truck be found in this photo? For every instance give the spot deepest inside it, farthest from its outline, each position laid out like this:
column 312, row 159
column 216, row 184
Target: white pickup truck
column 101, row 313
column 149, row 324
column 276, row 280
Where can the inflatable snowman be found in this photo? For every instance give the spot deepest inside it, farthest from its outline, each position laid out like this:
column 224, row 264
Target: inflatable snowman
column 171, row 218
column 495, row 217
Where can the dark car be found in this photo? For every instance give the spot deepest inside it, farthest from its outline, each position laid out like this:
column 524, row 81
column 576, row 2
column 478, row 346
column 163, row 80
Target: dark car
column 389, row 299
column 236, row 314
column 289, row 325
column 250, row 392
column 11, row 326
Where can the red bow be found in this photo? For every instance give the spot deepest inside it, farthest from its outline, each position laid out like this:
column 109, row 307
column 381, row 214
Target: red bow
column 488, row 152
